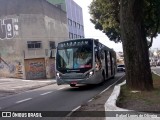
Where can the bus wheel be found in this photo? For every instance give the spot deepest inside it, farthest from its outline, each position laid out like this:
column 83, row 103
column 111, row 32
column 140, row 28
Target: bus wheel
column 72, row 85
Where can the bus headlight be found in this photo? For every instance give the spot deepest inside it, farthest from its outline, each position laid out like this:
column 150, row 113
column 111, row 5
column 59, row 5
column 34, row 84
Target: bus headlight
column 90, row 74
column 58, row 75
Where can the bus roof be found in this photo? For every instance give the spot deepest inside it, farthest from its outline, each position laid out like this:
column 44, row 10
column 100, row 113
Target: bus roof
column 77, row 39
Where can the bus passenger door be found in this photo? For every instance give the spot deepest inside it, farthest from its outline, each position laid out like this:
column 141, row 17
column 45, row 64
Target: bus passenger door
column 109, row 63
column 106, row 63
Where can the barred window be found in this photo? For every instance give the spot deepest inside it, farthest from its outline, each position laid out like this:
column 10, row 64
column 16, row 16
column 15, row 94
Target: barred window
column 34, row 44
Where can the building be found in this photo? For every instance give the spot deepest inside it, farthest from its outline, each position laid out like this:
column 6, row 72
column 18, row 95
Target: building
column 29, row 32
column 74, row 16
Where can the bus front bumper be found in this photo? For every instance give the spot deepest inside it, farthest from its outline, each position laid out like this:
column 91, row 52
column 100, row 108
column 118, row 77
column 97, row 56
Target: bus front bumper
column 90, row 80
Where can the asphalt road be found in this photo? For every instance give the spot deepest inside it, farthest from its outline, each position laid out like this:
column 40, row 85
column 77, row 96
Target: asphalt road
column 53, row 98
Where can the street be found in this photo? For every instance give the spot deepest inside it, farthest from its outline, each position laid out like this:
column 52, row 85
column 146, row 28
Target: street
column 54, row 98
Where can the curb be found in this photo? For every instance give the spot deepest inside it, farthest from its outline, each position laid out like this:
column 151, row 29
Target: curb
column 155, row 73
column 110, row 104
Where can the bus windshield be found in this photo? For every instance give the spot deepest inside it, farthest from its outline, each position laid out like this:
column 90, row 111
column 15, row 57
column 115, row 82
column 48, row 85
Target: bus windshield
column 74, row 58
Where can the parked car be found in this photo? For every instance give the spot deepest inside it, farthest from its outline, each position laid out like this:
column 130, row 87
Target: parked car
column 158, row 62
column 121, row 67
column 153, row 63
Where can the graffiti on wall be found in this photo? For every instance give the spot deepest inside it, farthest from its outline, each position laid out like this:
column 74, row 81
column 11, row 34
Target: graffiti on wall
column 11, row 69
column 8, row 28
column 35, row 69
column 4, row 64
column 19, row 72
column 50, row 67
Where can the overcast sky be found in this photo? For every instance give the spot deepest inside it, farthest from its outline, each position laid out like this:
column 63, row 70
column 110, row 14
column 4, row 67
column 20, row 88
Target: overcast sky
column 91, row 32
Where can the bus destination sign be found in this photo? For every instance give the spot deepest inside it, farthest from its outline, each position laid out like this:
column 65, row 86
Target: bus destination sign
column 73, row 43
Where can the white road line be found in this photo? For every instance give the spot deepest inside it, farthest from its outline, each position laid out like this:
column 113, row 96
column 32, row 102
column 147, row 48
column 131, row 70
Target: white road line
column 46, row 93
column 105, row 90
column 28, row 80
column 23, row 100
column 69, row 114
column 61, row 88
column 91, row 100
column 111, row 85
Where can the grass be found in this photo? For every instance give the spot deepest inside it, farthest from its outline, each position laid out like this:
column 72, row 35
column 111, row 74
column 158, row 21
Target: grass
column 143, row 100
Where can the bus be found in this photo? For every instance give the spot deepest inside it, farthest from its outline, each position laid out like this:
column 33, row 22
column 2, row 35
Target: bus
column 84, row 61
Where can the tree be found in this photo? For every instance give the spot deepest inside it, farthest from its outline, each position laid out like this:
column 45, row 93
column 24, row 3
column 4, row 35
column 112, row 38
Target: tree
column 132, row 22
column 138, row 73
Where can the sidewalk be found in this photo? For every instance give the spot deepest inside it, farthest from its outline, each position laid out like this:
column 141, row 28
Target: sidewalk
column 10, row 86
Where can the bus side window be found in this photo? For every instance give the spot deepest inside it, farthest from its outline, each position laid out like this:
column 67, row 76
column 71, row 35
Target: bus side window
column 98, row 63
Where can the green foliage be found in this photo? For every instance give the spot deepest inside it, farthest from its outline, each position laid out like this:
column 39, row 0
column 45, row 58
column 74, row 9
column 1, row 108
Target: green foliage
column 105, row 16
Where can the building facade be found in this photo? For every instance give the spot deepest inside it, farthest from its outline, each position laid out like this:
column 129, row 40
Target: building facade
column 29, row 32
column 74, row 16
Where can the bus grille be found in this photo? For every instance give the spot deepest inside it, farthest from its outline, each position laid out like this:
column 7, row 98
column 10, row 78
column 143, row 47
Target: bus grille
column 72, row 76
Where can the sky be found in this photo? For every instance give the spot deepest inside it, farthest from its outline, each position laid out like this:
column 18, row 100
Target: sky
column 91, row 32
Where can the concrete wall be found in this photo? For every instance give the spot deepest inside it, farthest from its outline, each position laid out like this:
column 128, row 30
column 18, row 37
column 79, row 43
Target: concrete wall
column 28, row 20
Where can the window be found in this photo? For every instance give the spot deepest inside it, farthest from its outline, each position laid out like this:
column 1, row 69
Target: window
column 34, row 44
column 70, row 22
column 82, row 27
column 74, row 23
column 75, row 36
column 79, row 57
column 70, row 35
column 79, row 36
column 79, row 26
column 52, row 45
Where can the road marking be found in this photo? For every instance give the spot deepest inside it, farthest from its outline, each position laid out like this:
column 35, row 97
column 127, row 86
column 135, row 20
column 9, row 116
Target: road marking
column 46, row 93
column 61, row 88
column 23, row 100
column 105, row 89
column 111, row 85
column 28, row 80
column 91, row 100
column 69, row 114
